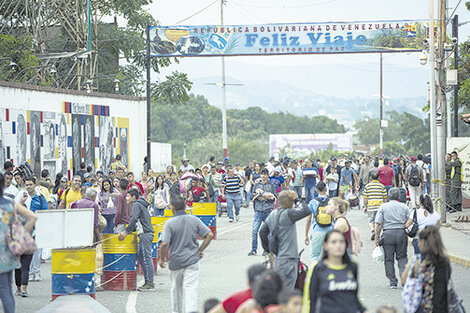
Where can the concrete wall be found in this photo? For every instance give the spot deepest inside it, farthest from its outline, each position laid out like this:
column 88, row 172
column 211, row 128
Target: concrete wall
column 57, row 129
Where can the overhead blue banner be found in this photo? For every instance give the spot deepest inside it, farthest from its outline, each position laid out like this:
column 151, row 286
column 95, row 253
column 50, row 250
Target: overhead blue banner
column 298, row 38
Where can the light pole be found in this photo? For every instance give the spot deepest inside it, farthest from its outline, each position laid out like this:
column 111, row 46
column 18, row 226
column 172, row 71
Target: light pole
column 381, row 108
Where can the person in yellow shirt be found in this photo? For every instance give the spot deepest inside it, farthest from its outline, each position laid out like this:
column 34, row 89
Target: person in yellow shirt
column 117, row 164
column 71, row 194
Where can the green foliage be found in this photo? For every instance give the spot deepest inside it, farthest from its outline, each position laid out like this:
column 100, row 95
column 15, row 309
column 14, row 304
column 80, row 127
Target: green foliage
column 409, row 132
column 17, row 50
column 173, row 90
column 391, row 148
column 199, row 125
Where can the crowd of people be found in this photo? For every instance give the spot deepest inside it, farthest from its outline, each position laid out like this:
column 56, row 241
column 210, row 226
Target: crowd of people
column 394, row 193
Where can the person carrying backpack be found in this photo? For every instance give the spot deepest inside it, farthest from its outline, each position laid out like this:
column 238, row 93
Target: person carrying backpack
column 414, row 176
column 319, row 221
column 279, row 236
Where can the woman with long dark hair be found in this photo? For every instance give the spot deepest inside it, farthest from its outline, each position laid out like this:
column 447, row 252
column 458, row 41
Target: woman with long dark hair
column 107, row 201
column 332, row 285
column 426, row 216
column 161, row 196
column 10, row 210
column 56, row 187
column 434, row 269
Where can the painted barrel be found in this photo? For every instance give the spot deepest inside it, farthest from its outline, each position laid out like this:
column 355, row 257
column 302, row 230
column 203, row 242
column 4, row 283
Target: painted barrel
column 207, row 212
column 73, row 272
column 119, row 262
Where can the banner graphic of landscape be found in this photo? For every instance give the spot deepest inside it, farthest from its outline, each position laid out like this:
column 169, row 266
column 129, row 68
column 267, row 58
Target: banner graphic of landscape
column 298, row 38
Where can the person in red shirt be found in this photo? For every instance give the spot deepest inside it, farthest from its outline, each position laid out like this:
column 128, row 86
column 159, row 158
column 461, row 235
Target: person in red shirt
column 233, row 302
column 386, row 175
column 132, row 183
column 197, row 193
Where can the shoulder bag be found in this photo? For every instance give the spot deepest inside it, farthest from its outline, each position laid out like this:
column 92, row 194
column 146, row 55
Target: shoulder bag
column 413, row 289
column 412, row 230
column 19, row 240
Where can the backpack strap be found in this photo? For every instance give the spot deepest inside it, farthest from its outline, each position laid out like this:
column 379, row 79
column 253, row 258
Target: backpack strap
column 65, row 197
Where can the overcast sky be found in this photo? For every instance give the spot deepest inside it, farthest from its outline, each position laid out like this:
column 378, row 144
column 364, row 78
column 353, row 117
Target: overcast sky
column 347, row 76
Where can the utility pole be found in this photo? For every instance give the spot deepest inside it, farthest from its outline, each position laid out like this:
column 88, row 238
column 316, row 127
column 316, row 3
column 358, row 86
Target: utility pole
column 432, row 97
column 441, row 108
column 224, row 95
column 455, row 34
column 148, row 85
column 381, row 134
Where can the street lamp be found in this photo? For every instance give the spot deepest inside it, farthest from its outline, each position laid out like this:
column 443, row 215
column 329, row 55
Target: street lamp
column 116, row 86
column 89, row 82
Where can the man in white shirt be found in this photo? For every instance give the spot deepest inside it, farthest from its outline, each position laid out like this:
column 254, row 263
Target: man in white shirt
column 10, row 191
column 186, row 167
column 425, row 168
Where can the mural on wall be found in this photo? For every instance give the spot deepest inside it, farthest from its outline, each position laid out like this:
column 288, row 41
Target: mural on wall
column 76, row 141
column 59, row 141
column 89, row 140
column 2, row 149
column 62, row 143
column 49, row 135
column 20, row 131
column 35, row 140
column 123, row 125
column 106, row 144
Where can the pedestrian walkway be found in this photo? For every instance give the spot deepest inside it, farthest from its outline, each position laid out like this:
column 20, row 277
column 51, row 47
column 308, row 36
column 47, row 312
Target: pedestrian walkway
column 455, row 243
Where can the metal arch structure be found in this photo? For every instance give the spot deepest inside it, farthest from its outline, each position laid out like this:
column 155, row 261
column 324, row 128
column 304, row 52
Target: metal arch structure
column 45, row 21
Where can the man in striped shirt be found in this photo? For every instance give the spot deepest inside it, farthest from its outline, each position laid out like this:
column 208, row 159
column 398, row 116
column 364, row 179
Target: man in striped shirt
column 374, row 195
column 231, row 192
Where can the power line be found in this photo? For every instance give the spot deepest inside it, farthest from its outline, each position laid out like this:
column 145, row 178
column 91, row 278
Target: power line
column 233, row 7
column 187, row 18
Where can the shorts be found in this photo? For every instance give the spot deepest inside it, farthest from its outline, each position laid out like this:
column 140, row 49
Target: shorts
column 371, row 216
column 344, row 189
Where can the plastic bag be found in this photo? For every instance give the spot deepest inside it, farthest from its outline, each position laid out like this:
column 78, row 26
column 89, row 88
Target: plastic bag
column 378, row 254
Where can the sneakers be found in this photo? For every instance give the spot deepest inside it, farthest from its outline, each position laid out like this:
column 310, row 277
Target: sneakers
column 147, row 287
column 25, row 294
column 37, row 277
column 392, row 286
column 230, row 220
column 372, row 237
column 237, row 218
column 252, row 252
column 265, row 253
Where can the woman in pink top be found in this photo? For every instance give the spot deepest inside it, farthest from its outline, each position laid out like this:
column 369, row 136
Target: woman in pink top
column 146, row 184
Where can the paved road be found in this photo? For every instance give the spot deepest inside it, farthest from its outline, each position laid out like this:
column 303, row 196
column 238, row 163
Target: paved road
column 223, row 272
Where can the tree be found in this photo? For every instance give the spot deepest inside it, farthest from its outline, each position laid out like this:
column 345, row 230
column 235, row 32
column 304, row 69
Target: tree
column 17, row 51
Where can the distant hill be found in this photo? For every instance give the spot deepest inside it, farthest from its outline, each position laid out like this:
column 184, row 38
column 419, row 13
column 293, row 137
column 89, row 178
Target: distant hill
column 275, row 96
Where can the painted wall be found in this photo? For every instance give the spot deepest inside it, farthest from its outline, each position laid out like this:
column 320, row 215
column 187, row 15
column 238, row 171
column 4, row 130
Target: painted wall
column 161, row 156
column 57, row 129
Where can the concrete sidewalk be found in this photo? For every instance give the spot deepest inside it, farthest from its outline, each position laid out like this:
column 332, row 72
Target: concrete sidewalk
column 457, row 245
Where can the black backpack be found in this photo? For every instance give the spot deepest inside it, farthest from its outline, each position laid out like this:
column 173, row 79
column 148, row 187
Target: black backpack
column 415, row 177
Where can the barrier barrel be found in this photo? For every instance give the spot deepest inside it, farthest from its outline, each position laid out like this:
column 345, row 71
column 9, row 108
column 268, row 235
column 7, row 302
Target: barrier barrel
column 207, row 212
column 73, row 272
column 119, row 262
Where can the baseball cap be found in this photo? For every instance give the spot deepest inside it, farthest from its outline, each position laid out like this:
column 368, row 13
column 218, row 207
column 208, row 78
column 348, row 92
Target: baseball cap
column 63, row 179
column 413, row 158
column 333, row 159
column 86, row 175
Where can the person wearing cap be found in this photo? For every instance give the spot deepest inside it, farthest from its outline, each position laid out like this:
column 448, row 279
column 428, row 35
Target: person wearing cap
column 414, row 176
column 185, row 166
column 348, row 179
column 87, row 179
column 63, row 186
column 220, row 168
column 278, row 180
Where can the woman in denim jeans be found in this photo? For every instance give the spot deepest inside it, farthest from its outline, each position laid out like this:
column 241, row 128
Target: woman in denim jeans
column 7, row 259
